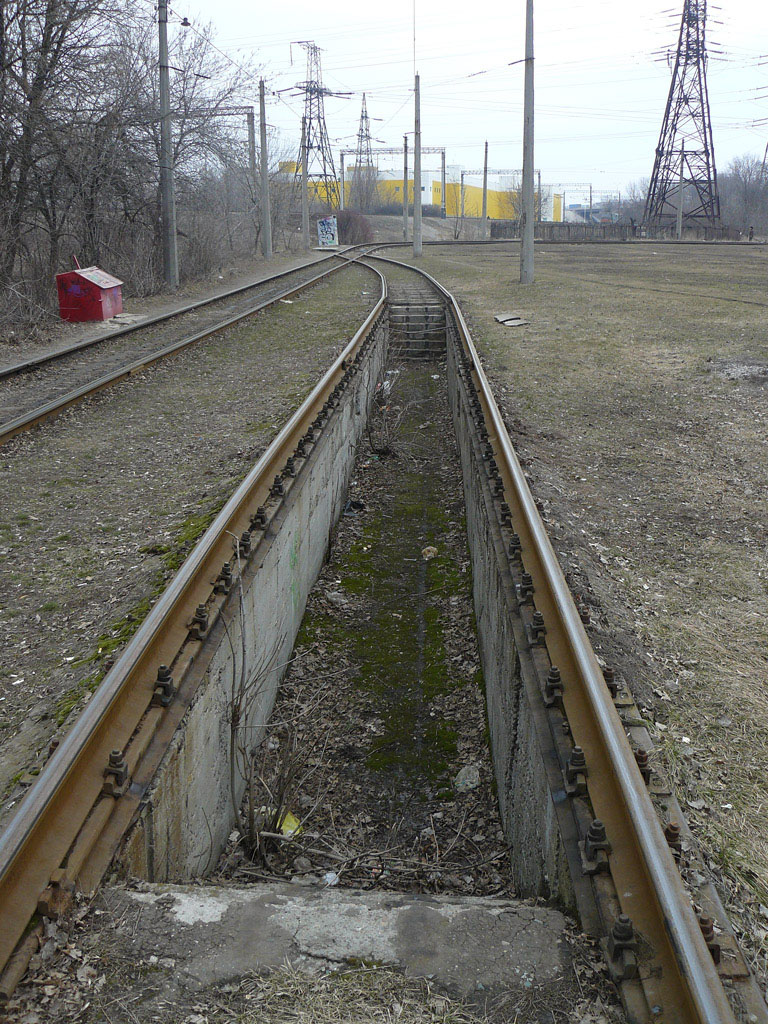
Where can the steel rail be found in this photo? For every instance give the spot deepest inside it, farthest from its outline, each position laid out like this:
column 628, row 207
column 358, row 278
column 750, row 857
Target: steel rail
column 38, row 837
column 660, row 909
column 27, row 365
column 50, row 410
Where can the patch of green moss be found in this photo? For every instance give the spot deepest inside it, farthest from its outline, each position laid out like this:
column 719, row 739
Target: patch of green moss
column 69, row 701
column 400, row 654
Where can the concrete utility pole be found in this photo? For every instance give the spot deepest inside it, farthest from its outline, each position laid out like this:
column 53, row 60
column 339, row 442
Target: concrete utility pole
column 443, row 213
column 527, row 225
column 590, row 204
column 680, row 188
column 405, row 188
column 304, row 186
column 250, row 118
column 167, row 196
column 341, row 197
column 266, row 213
column 484, row 226
column 253, row 184
column 417, row 173
column 461, row 195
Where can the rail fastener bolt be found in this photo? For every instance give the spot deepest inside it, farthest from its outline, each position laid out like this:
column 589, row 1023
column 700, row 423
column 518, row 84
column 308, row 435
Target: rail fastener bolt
column 707, row 926
column 525, row 588
column 672, row 835
column 595, row 849
column 610, row 681
column 223, row 580
column 115, row 775
column 165, row 691
column 622, row 949
column 290, row 466
column 259, row 518
column 538, row 628
column 576, row 773
column 277, row 490
column 244, row 544
column 584, row 614
column 515, row 546
column 643, row 763
column 198, row 627
column 553, row 688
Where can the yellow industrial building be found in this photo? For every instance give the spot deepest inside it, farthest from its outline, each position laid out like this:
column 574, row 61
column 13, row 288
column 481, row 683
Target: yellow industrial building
column 502, row 204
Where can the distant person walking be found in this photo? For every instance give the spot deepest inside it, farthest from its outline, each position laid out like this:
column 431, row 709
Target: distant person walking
column 751, row 233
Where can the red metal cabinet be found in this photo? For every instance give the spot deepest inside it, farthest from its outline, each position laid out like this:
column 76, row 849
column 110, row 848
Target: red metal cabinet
column 89, row 294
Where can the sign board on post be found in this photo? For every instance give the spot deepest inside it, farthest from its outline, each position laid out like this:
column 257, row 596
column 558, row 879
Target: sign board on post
column 327, row 232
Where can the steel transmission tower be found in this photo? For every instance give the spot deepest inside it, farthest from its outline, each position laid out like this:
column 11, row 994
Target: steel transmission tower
column 685, row 155
column 320, row 166
column 363, row 184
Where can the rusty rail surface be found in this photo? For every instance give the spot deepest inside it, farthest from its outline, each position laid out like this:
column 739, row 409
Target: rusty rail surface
column 48, row 411
column 69, row 813
column 684, row 979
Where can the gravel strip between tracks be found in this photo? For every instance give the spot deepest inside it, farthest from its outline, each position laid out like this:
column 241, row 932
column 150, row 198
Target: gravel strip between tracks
column 28, row 391
column 54, row 333
column 100, row 507
column 637, row 400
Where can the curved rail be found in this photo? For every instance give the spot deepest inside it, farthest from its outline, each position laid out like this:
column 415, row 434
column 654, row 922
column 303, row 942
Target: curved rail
column 647, row 879
column 69, row 790
column 51, row 409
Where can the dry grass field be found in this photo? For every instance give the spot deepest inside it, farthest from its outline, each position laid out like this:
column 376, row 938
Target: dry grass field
column 637, row 398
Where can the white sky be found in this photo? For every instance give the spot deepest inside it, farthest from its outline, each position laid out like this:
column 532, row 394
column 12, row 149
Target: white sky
column 600, row 86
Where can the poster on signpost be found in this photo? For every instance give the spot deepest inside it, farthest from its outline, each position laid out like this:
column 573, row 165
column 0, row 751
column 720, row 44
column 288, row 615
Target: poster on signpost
column 327, row 232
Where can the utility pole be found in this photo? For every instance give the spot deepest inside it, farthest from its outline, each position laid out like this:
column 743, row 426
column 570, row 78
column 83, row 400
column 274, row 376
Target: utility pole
column 461, row 194
column 443, row 213
column 341, row 197
column 250, row 118
column 484, row 226
column 304, row 187
column 680, row 188
column 590, row 204
column 266, row 213
column 526, row 249
column 417, row 173
column 167, row 196
column 405, row 188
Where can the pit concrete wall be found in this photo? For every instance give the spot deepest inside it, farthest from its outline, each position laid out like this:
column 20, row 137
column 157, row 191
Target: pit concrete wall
column 528, row 777
column 189, row 811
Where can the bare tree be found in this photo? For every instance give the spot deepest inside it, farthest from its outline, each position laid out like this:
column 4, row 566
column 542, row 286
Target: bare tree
column 744, row 195
column 79, row 146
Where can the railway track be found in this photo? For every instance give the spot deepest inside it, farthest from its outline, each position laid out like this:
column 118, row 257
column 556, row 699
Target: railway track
column 38, row 389
column 636, row 877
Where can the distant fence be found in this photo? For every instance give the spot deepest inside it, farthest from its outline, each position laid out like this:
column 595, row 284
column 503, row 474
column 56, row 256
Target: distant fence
column 556, row 231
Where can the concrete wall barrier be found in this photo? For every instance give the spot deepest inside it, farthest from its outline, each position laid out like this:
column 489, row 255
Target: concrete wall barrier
column 189, row 811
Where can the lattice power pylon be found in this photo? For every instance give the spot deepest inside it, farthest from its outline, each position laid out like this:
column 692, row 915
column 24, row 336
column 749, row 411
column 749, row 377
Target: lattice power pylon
column 685, row 156
column 320, row 168
column 362, row 190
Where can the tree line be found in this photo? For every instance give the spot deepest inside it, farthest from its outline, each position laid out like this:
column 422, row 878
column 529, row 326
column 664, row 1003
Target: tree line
column 79, row 149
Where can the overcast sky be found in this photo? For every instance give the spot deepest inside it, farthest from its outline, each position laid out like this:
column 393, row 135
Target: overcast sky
column 601, row 83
